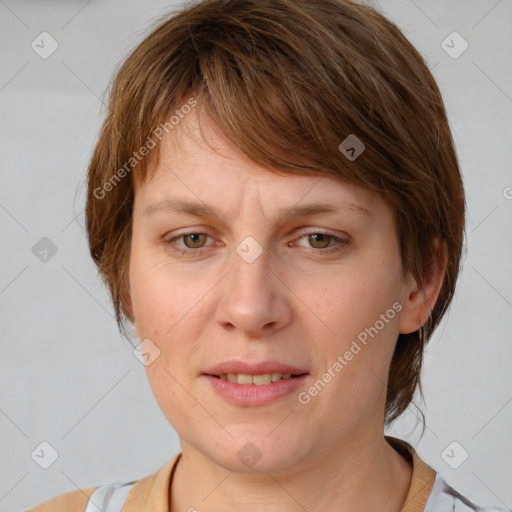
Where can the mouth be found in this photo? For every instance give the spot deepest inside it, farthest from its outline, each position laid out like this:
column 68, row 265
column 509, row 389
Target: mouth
column 258, row 380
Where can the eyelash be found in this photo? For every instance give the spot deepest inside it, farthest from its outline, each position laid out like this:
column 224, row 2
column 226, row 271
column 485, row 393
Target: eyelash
column 341, row 243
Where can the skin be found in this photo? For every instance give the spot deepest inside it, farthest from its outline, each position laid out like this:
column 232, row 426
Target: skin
column 294, row 304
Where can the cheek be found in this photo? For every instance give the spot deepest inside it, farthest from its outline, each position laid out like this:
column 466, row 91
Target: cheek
column 348, row 301
column 162, row 295
column 360, row 308
column 170, row 309
column 169, row 392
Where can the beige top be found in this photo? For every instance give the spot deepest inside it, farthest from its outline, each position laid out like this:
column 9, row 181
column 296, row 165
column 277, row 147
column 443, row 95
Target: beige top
column 152, row 492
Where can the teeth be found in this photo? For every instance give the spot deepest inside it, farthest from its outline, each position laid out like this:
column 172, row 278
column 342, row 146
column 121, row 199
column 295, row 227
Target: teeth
column 262, row 379
column 244, row 379
column 266, row 378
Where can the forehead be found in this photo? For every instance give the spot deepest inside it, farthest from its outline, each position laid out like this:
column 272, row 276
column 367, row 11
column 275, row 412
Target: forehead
column 196, row 161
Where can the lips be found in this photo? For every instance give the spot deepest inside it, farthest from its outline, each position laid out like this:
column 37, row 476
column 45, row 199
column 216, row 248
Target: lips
column 261, row 368
column 245, row 394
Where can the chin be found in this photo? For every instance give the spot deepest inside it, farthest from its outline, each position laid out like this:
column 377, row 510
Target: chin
column 257, row 453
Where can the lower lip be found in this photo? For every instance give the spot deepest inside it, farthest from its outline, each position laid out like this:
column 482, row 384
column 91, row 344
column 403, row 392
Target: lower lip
column 252, row 395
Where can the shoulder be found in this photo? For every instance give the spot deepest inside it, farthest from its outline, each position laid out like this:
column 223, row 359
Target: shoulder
column 444, row 498
column 104, row 498
column 144, row 494
column 74, row 501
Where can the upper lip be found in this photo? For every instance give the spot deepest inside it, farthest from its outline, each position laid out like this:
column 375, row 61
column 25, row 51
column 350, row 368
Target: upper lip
column 241, row 367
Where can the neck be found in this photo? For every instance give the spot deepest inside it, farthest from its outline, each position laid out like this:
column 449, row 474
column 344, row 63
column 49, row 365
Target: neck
column 361, row 476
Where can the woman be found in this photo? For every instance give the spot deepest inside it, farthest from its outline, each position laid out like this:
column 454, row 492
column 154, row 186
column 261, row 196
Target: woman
column 275, row 203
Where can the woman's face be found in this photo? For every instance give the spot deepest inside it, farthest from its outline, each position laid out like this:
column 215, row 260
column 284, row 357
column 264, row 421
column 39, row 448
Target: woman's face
column 231, row 263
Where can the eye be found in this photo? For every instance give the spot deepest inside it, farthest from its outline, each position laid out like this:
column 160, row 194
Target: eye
column 318, row 242
column 324, row 242
column 322, row 239
column 192, row 241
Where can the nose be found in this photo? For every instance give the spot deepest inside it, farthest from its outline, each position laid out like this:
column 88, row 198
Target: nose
column 255, row 300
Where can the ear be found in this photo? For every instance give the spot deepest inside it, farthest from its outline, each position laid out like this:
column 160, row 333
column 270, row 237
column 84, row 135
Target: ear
column 419, row 303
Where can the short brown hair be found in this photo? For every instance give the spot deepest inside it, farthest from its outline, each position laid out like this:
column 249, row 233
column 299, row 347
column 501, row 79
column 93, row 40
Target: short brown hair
column 287, row 81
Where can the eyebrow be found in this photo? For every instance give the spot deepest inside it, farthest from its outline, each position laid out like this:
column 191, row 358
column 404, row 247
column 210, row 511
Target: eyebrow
column 202, row 210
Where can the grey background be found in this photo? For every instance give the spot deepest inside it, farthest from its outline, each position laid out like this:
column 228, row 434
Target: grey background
column 66, row 375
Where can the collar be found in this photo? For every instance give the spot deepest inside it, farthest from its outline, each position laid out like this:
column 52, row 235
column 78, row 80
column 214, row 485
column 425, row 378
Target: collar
column 422, row 479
